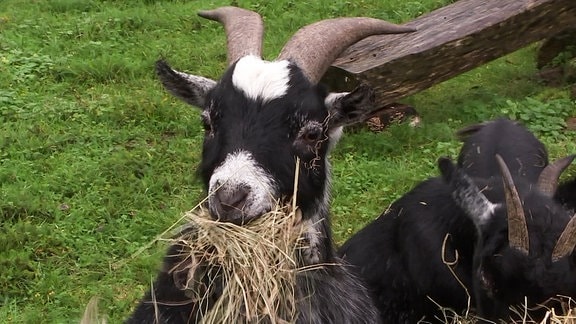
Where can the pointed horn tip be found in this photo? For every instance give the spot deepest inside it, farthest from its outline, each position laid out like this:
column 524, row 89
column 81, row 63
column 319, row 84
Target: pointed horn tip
column 499, row 159
column 218, row 13
column 503, row 167
column 375, row 23
column 566, row 243
column 391, row 28
column 208, row 14
column 406, row 29
column 550, row 175
column 565, row 162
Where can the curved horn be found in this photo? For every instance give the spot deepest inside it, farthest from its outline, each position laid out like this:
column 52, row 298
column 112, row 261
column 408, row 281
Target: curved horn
column 548, row 179
column 517, row 228
column 244, row 30
column 314, row 47
column 567, row 241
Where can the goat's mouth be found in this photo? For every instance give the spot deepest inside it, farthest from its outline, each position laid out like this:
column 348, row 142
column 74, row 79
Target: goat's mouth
column 242, row 213
column 237, row 218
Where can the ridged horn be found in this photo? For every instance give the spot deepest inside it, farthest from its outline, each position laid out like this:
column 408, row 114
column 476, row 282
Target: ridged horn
column 314, row 47
column 567, row 241
column 244, row 30
column 548, row 179
column 517, row 228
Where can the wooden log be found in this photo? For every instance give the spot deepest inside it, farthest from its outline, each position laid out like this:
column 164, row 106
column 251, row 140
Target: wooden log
column 449, row 41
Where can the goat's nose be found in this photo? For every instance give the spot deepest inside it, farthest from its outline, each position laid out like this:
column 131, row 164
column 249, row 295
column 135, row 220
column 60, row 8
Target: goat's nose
column 228, row 205
column 232, row 200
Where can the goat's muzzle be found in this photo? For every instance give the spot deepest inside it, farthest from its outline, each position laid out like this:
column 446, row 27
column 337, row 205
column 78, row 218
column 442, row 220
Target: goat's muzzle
column 229, row 205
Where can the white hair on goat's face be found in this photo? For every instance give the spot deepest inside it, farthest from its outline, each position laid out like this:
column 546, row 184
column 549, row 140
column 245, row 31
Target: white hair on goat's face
column 240, row 172
column 261, row 80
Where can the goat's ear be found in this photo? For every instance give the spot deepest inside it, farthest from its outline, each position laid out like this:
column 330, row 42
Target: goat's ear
column 191, row 89
column 466, row 194
column 447, row 168
column 347, row 108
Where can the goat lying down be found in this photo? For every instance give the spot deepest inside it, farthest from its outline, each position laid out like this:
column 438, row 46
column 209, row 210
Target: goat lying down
column 486, row 234
column 259, row 118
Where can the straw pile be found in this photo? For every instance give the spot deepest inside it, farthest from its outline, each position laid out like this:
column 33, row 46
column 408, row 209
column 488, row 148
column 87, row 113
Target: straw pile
column 522, row 314
column 256, row 266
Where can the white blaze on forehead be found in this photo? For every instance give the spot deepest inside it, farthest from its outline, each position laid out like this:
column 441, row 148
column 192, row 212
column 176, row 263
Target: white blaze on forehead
column 240, row 170
column 260, row 79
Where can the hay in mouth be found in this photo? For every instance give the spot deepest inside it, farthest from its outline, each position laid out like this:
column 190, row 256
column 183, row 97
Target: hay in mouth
column 242, row 273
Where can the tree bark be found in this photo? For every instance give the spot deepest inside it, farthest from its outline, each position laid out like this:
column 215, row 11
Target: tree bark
column 449, row 41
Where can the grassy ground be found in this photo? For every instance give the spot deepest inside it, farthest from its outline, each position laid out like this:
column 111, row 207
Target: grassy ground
column 96, row 160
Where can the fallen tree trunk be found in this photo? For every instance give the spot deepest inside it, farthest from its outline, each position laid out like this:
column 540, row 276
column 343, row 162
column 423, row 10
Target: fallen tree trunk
column 449, row 41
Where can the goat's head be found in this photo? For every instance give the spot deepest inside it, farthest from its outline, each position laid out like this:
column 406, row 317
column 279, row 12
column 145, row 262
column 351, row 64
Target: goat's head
column 525, row 155
column 526, row 240
column 263, row 115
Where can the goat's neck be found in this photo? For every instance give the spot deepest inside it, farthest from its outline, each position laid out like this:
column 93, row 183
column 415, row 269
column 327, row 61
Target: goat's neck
column 318, row 232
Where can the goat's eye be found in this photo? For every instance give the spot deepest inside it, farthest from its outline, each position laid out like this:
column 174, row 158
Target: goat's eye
column 311, row 133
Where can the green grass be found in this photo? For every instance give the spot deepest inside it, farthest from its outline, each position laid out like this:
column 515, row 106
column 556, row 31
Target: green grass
column 96, row 159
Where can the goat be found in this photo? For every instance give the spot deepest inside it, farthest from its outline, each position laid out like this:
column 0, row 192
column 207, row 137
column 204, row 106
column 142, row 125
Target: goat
column 445, row 242
column 259, row 118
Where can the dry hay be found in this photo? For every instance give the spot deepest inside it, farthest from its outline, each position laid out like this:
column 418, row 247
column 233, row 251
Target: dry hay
column 256, row 261
column 521, row 314
column 252, row 267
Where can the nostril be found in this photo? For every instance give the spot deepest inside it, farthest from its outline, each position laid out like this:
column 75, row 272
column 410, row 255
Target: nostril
column 230, row 200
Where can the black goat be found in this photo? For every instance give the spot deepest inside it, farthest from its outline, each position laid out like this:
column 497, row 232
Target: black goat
column 525, row 242
column 259, row 118
column 453, row 240
column 400, row 256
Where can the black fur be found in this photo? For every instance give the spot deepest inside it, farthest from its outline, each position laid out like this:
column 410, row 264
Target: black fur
column 402, row 256
column 524, row 154
column 566, row 194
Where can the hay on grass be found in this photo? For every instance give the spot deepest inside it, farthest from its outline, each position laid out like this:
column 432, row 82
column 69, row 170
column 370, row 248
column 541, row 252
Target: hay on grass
column 252, row 267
